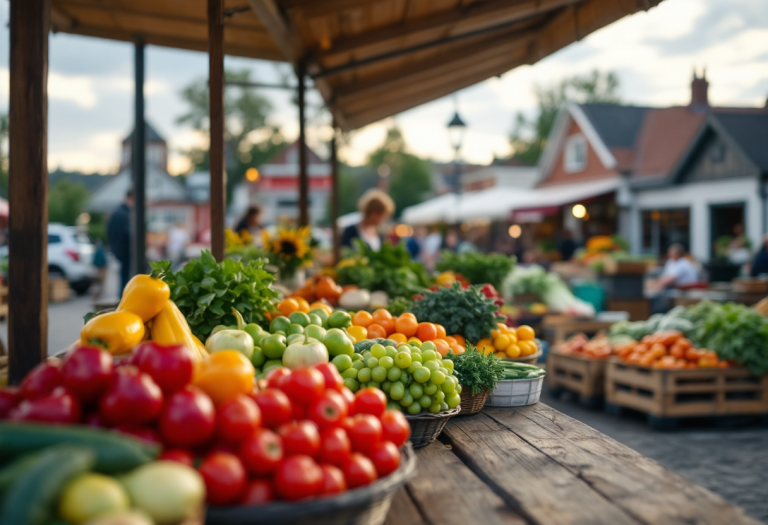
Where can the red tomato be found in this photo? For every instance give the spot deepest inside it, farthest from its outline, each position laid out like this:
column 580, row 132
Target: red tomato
column 237, row 418
column 258, row 492
column 395, row 428
column 145, row 433
column 224, row 477
column 261, row 452
column 41, row 380
column 333, row 480
column 304, row 386
column 170, row 366
column 274, row 405
column 359, row 471
column 178, row 455
column 300, row 437
column 298, row 412
column 9, row 398
column 188, row 418
column 131, row 398
column 385, row 457
column 333, row 379
column 277, row 376
column 298, row 477
column 369, row 401
column 328, row 411
column 364, row 432
column 348, row 395
column 86, row 372
column 335, row 447
column 57, row 407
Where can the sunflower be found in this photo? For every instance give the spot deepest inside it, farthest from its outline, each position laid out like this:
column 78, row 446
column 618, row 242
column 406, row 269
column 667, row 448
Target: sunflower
column 288, row 243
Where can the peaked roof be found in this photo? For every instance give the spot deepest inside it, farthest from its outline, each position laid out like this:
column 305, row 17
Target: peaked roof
column 750, row 132
column 664, row 137
column 617, row 125
column 150, row 134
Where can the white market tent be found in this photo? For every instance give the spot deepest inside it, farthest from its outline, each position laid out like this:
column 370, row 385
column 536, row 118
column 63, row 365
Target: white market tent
column 491, row 203
column 438, row 209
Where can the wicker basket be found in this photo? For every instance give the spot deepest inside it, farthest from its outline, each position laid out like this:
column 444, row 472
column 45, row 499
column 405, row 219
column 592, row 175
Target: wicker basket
column 426, row 427
column 364, row 506
column 472, row 404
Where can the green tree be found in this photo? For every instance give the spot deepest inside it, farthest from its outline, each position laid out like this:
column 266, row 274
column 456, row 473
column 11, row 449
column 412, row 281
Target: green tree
column 409, row 176
column 529, row 137
column 66, row 201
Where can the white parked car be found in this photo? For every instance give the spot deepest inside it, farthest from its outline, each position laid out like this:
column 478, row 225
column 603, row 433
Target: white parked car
column 70, row 256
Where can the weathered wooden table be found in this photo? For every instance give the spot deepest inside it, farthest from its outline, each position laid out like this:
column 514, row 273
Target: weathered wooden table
column 534, row 465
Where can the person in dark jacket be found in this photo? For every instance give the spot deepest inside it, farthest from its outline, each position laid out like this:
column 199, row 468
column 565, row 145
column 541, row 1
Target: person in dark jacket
column 760, row 263
column 251, row 221
column 376, row 207
column 119, row 234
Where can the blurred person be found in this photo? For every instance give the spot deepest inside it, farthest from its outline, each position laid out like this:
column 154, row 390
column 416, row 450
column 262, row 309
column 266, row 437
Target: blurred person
column 119, row 235
column 178, row 240
column 738, row 247
column 430, row 248
column 100, row 263
column 251, row 221
column 678, row 270
column 376, row 207
column 566, row 246
column 760, row 262
column 414, row 242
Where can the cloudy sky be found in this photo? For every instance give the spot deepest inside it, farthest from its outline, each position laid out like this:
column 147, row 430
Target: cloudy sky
column 654, row 53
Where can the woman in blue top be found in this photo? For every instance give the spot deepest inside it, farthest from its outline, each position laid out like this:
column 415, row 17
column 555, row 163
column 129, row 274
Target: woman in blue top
column 376, row 207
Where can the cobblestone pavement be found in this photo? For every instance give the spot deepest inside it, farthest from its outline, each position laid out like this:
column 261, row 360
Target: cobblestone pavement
column 732, row 463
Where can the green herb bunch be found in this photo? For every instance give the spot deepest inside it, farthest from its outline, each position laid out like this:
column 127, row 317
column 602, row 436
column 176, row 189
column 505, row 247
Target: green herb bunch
column 206, row 291
column 399, row 305
column 476, row 371
column 464, row 311
column 734, row 331
column 478, row 268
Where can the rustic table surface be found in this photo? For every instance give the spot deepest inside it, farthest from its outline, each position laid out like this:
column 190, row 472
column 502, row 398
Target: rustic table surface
column 534, row 465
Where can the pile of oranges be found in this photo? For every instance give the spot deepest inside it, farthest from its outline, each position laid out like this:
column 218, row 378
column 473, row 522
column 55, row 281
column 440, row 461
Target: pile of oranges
column 298, row 304
column 402, row 329
column 508, row 342
column 668, row 350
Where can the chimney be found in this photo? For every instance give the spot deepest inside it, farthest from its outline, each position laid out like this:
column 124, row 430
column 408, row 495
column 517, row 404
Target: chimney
column 699, row 87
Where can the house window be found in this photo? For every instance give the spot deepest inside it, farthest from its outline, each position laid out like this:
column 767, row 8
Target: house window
column 575, row 154
column 661, row 228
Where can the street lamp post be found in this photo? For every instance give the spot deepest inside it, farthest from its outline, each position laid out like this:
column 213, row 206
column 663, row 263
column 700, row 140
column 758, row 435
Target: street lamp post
column 456, row 130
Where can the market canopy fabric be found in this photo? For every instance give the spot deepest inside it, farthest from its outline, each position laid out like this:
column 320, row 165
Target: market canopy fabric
column 438, row 209
column 492, row 203
column 558, row 195
column 370, row 59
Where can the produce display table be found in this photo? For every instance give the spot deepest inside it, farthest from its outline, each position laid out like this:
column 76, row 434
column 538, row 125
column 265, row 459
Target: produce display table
column 535, row 465
column 720, row 295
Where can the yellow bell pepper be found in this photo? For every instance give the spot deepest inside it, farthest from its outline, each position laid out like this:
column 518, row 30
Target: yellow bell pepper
column 116, row 332
column 145, row 296
column 225, row 375
column 170, row 327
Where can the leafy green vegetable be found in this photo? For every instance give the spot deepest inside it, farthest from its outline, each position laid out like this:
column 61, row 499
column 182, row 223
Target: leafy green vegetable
column 399, row 305
column 476, row 371
column 390, row 269
column 464, row 311
column 206, row 291
column 734, row 331
column 478, row 268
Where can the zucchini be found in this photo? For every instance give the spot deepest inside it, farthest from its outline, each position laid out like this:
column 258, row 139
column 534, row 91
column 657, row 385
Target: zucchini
column 33, row 494
column 12, row 470
column 366, row 345
column 114, row 453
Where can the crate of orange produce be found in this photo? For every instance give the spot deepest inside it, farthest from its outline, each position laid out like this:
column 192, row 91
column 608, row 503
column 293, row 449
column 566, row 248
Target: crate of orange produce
column 665, row 376
column 578, row 366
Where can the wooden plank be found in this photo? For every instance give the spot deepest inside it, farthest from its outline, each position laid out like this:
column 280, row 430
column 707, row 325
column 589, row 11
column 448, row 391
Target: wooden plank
column 446, row 491
column 315, row 8
column 138, row 165
column 271, row 18
column 634, row 483
column 28, row 187
column 404, row 510
column 544, row 490
column 335, row 197
column 303, row 174
column 216, row 119
column 578, row 374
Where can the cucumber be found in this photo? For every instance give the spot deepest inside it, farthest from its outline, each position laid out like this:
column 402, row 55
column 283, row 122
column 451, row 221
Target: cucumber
column 35, row 491
column 12, row 470
column 114, row 453
column 366, row 345
column 521, row 366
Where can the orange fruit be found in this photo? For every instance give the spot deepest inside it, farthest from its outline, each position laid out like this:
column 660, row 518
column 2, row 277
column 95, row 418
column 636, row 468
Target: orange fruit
column 500, row 355
column 321, row 304
column 460, row 339
column 386, row 324
column 513, row 351
column 426, row 331
column 357, row 333
column 406, row 325
column 415, row 340
column 288, row 306
column 398, row 338
column 442, row 346
column 456, row 348
column 527, row 348
column 303, row 304
column 525, row 333
column 501, row 342
column 362, row 318
column 408, row 314
column 451, row 340
column 440, row 331
column 380, row 315
column 485, row 346
column 376, row 331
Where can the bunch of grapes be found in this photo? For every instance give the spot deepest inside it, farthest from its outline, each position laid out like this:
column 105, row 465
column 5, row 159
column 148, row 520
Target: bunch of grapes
column 415, row 379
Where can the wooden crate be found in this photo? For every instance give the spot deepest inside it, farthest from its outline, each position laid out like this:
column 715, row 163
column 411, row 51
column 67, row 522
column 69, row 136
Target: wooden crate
column 612, row 267
column 638, row 309
column 580, row 375
column 686, row 393
column 3, row 301
column 58, row 290
column 558, row 328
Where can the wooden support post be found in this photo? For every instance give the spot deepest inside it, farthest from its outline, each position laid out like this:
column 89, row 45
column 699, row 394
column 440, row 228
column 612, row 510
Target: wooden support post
column 335, row 197
column 216, row 152
column 28, row 187
column 139, row 165
column 301, row 72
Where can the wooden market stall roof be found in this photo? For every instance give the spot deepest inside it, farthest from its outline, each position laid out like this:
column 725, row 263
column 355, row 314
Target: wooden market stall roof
column 370, row 59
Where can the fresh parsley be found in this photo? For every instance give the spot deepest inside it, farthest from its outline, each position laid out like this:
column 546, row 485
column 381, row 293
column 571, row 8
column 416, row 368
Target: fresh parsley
column 476, row 371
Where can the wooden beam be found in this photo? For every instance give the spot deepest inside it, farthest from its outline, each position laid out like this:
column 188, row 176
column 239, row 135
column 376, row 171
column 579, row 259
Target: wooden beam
column 304, row 219
column 315, row 8
column 216, row 152
column 272, row 20
column 139, row 165
column 476, row 16
column 28, row 187
column 334, row 196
